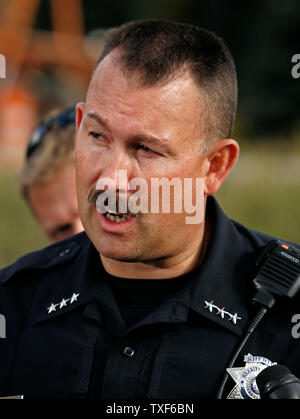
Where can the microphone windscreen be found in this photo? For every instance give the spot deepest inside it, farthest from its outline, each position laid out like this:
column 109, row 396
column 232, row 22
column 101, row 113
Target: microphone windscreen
column 269, row 374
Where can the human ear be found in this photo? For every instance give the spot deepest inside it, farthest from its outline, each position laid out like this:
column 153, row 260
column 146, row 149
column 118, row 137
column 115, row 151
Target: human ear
column 79, row 113
column 221, row 158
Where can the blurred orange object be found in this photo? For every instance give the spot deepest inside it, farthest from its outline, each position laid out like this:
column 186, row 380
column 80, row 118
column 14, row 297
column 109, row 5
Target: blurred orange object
column 18, row 116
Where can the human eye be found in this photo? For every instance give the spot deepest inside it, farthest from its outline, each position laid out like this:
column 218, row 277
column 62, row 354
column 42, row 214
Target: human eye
column 95, row 135
column 145, row 149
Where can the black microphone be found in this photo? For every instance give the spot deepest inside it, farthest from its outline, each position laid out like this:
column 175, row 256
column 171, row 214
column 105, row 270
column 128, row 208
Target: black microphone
column 277, row 382
column 277, row 275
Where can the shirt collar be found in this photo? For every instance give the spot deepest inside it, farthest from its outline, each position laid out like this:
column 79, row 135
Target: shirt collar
column 85, row 278
column 76, row 279
column 223, row 288
column 220, row 291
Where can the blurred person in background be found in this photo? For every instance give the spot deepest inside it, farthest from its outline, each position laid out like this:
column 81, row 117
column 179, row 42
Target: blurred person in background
column 47, row 180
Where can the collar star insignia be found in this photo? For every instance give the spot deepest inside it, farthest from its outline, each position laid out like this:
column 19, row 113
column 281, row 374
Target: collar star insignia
column 74, row 298
column 51, row 308
column 234, row 317
column 209, row 305
column 221, row 311
column 62, row 303
column 245, row 377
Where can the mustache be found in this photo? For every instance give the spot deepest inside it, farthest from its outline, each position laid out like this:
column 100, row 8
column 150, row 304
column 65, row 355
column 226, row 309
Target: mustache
column 92, row 196
column 111, row 196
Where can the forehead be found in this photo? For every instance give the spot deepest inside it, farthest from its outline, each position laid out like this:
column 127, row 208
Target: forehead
column 114, row 92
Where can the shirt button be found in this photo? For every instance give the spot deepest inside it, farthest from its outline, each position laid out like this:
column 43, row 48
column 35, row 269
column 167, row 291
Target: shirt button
column 64, row 252
column 128, row 352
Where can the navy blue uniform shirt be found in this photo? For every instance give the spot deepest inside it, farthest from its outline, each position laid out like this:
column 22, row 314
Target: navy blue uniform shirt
column 65, row 336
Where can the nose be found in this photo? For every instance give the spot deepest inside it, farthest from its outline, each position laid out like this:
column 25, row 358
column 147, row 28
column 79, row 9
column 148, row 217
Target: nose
column 118, row 169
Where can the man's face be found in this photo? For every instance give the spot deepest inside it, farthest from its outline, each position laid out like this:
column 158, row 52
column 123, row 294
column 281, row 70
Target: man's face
column 54, row 203
column 150, row 132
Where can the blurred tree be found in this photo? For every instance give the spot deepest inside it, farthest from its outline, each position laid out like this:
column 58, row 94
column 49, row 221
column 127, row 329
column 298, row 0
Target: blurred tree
column 262, row 35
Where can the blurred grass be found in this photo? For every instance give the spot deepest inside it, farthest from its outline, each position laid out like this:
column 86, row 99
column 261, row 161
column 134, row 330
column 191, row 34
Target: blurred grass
column 262, row 192
column 19, row 231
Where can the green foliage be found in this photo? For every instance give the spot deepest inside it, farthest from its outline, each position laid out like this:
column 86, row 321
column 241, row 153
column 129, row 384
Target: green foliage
column 272, row 208
column 19, row 231
column 263, row 190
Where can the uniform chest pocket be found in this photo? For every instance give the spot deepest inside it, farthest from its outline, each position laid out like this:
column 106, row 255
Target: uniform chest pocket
column 54, row 358
column 190, row 363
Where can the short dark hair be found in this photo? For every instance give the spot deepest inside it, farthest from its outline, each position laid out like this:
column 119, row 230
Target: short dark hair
column 158, row 50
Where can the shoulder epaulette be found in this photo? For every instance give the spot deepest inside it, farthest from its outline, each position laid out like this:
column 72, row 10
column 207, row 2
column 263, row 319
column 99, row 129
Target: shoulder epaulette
column 52, row 255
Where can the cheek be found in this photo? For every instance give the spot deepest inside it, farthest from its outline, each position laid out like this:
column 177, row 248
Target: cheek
column 165, row 222
column 79, row 161
column 85, row 166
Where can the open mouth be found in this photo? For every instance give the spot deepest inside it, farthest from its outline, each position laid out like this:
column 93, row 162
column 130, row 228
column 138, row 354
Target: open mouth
column 111, row 215
column 117, row 217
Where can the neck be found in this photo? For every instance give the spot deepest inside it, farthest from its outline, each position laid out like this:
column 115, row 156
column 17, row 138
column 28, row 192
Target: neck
column 163, row 268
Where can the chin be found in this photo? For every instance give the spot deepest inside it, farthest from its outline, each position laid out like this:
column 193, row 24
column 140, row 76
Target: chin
column 119, row 253
column 116, row 248
column 120, row 256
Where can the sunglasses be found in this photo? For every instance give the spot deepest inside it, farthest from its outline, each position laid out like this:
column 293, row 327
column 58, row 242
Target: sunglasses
column 63, row 120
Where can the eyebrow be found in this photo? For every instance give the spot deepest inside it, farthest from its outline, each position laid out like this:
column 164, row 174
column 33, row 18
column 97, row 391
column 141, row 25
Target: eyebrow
column 98, row 119
column 136, row 138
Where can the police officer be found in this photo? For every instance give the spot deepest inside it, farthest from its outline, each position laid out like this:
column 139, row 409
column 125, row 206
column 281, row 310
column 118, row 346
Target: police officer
column 144, row 304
